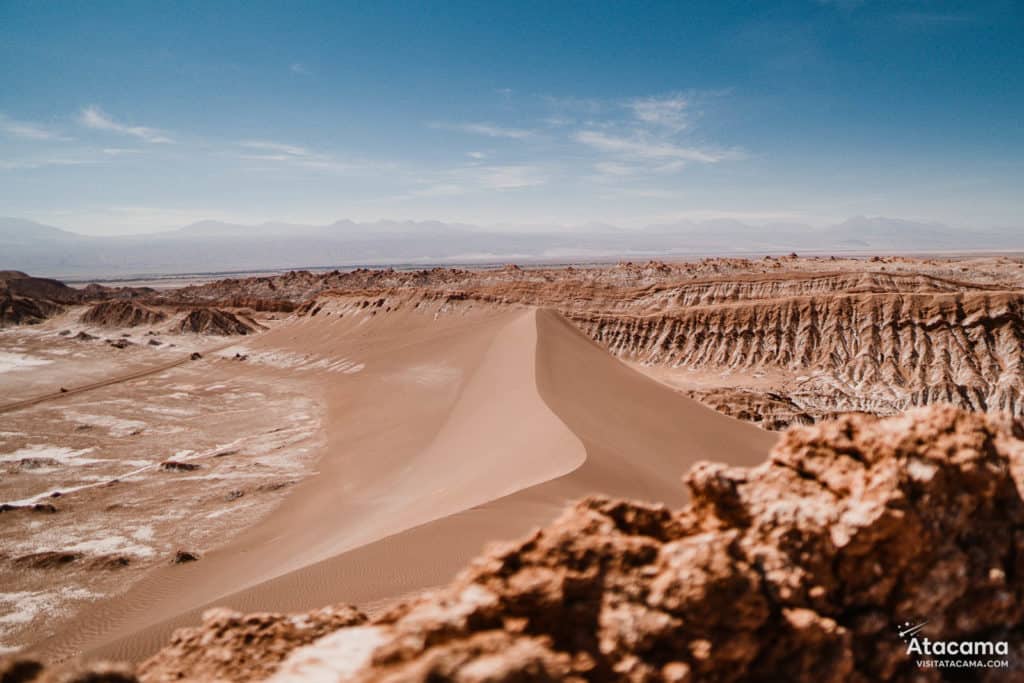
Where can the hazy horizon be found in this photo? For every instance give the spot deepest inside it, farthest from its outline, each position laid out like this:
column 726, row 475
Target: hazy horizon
column 211, row 247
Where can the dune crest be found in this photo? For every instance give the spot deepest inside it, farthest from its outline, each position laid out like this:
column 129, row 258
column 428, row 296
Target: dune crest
column 422, row 466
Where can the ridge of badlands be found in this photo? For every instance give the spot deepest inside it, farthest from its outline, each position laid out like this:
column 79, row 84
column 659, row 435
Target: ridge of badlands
column 775, row 341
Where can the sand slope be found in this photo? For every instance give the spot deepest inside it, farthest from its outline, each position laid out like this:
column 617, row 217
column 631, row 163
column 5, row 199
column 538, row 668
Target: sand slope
column 444, row 433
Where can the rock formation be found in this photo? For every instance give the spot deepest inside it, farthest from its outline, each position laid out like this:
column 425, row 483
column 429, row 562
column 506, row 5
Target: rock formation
column 777, row 341
column 230, row 646
column 878, row 353
column 17, row 310
column 833, row 335
column 121, row 314
column 24, row 285
column 800, row 569
column 26, row 300
column 214, row 321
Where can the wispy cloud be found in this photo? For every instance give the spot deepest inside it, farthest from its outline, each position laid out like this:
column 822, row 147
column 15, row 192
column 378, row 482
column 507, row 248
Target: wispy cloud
column 487, row 130
column 292, row 155
column 508, row 177
column 645, row 136
column 639, row 147
column 19, row 164
column 615, row 168
column 27, row 130
column 668, row 112
column 95, row 118
column 300, row 69
column 475, row 178
column 279, row 149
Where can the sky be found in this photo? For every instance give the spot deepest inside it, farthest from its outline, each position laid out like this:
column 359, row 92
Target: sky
column 141, row 116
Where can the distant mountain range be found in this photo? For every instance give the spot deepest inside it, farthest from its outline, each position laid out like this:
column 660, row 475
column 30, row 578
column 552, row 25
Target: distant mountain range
column 211, row 246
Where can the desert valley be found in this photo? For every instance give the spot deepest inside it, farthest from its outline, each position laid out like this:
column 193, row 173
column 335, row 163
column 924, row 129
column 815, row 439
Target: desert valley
column 512, row 342
column 288, row 442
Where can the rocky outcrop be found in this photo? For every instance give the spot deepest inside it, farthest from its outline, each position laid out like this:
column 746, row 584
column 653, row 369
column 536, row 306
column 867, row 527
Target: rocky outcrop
column 26, row 300
column 832, row 339
column 802, row 569
column 122, row 314
column 833, row 335
column 824, row 342
column 38, row 288
column 230, row 646
column 767, row 409
column 22, row 670
column 17, row 310
column 214, row 321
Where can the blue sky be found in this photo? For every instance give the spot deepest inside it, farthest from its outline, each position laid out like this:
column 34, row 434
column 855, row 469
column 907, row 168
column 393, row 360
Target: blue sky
column 134, row 116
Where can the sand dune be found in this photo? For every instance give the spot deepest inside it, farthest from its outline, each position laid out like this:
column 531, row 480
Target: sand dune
column 444, row 433
column 461, row 407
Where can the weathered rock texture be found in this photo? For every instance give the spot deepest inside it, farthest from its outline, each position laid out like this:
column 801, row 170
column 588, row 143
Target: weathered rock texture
column 230, row 646
column 777, row 341
column 776, row 348
column 17, row 310
column 774, row 341
column 879, row 353
column 22, row 670
column 26, row 300
column 801, row 569
column 214, row 321
column 122, row 314
column 871, row 341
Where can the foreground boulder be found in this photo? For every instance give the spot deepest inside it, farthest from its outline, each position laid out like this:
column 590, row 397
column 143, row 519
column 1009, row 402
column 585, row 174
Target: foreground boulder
column 801, row 569
column 804, row 568
column 230, row 646
column 19, row 670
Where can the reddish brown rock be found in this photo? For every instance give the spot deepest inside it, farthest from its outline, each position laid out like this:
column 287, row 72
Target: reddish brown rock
column 214, row 321
column 120, row 313
column 230, row 646
column 800, row 569
column 24, row 670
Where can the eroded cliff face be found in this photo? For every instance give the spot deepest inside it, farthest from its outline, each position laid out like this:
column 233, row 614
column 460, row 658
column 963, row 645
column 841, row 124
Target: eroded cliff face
column 802, row 569
column 774, row 341
column 878, row 353
column 781, row 347
column 121, row 314
column 777, row 341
